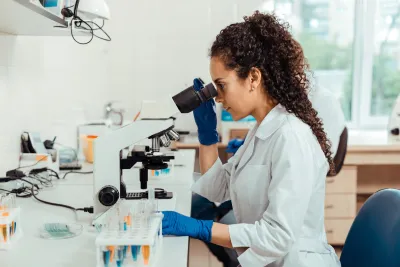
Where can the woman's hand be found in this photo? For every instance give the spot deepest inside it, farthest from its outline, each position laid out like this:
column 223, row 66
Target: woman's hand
column 234, row 145
column 180, row 225
column 206, row 118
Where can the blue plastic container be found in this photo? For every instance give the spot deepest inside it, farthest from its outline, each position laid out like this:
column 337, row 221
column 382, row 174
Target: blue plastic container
column 50, row 3
column 226, row 116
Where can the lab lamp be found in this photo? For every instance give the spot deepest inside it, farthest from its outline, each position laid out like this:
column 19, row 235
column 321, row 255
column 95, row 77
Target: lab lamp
column 82, row 16
column 93, row 9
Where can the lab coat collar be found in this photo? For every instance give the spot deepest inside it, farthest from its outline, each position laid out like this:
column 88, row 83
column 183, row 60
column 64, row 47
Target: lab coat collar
column 245, row 154
column 267, row 127
column 271, row 122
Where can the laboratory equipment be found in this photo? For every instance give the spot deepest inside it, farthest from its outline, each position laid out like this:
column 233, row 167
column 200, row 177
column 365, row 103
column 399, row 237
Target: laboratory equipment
column 110, row 112
column 10, row 223
column 87, row 9
column 93, row 9
column 169, row 170
column 155, row 124
column 38, row 161
column 87, row 147
column 394, row 122
column 60, row 230
column 159, row 193
column 34, row 152
column 130, row 234
column 32, row 143
column 189, row 99
column 162, row 173
column 81, row 16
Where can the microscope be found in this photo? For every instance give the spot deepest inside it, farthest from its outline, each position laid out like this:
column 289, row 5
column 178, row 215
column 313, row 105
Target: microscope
column 394, row 123
column 155, row 123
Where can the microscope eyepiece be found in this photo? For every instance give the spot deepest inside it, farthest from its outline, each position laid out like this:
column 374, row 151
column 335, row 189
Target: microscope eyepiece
column 189, row 99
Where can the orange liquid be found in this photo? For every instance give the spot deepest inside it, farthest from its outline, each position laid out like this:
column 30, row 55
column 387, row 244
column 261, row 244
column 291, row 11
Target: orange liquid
column 146, row 254
column 112, row 250
column 4, row 231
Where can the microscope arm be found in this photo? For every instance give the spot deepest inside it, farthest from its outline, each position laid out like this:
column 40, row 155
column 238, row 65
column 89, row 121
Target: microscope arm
column 154, row 119
column 107, row 156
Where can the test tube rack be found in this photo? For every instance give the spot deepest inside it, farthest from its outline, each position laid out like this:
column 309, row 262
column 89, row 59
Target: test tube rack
column 136, row 243
column 10, row 223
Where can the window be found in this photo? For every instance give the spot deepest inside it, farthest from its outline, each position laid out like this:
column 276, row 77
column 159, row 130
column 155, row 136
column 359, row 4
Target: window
column 353, row 48
column 384, row 62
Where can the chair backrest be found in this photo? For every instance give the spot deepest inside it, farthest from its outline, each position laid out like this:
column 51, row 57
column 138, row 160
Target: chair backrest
column 341, row 152
column 374, row 237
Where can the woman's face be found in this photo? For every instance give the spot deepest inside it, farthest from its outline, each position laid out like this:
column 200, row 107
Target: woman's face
column 238, row 96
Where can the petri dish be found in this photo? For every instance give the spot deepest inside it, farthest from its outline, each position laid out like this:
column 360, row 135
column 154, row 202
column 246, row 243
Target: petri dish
column 60, row 230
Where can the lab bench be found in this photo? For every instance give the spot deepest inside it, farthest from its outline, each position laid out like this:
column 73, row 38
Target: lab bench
column 77, row 191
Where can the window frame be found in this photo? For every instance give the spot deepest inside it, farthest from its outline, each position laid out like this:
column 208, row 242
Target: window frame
column 362, row 67
column 363, row 49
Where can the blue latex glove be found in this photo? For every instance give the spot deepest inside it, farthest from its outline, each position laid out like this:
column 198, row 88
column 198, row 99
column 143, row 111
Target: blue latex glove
column 234, row 145
column 206, row 118
column 180, row 225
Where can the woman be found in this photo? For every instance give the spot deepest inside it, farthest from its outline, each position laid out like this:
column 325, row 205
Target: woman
column 276, row 180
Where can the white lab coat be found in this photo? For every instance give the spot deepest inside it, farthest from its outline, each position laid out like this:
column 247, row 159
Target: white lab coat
column 276, row 182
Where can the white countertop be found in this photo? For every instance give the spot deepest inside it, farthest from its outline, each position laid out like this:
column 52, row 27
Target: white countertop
column 359, row 137
column 77, row 191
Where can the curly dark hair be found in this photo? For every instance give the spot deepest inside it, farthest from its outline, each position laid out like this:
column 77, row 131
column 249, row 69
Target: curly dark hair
column 264, row 42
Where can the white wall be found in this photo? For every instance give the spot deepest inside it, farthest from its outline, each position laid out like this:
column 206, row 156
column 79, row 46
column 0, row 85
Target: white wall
column 44, row 89
column 49, row 84
column 165, row 44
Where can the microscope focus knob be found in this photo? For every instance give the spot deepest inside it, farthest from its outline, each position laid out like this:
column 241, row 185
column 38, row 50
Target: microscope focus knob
column 108, row 195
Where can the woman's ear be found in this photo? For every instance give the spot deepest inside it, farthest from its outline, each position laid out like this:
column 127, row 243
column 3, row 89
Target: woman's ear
column 255, row 78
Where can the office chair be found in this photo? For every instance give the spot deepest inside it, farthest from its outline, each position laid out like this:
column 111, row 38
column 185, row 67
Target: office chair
column 374, row 237
column 341, row 152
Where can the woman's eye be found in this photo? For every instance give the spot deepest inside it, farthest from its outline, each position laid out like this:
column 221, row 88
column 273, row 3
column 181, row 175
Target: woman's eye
column 221, row 86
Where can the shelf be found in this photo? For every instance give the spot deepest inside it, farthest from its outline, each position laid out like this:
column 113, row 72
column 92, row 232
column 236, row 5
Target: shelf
column 29, row 17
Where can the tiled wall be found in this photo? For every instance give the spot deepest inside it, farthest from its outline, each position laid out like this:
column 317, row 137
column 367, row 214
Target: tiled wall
column 49, row 84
